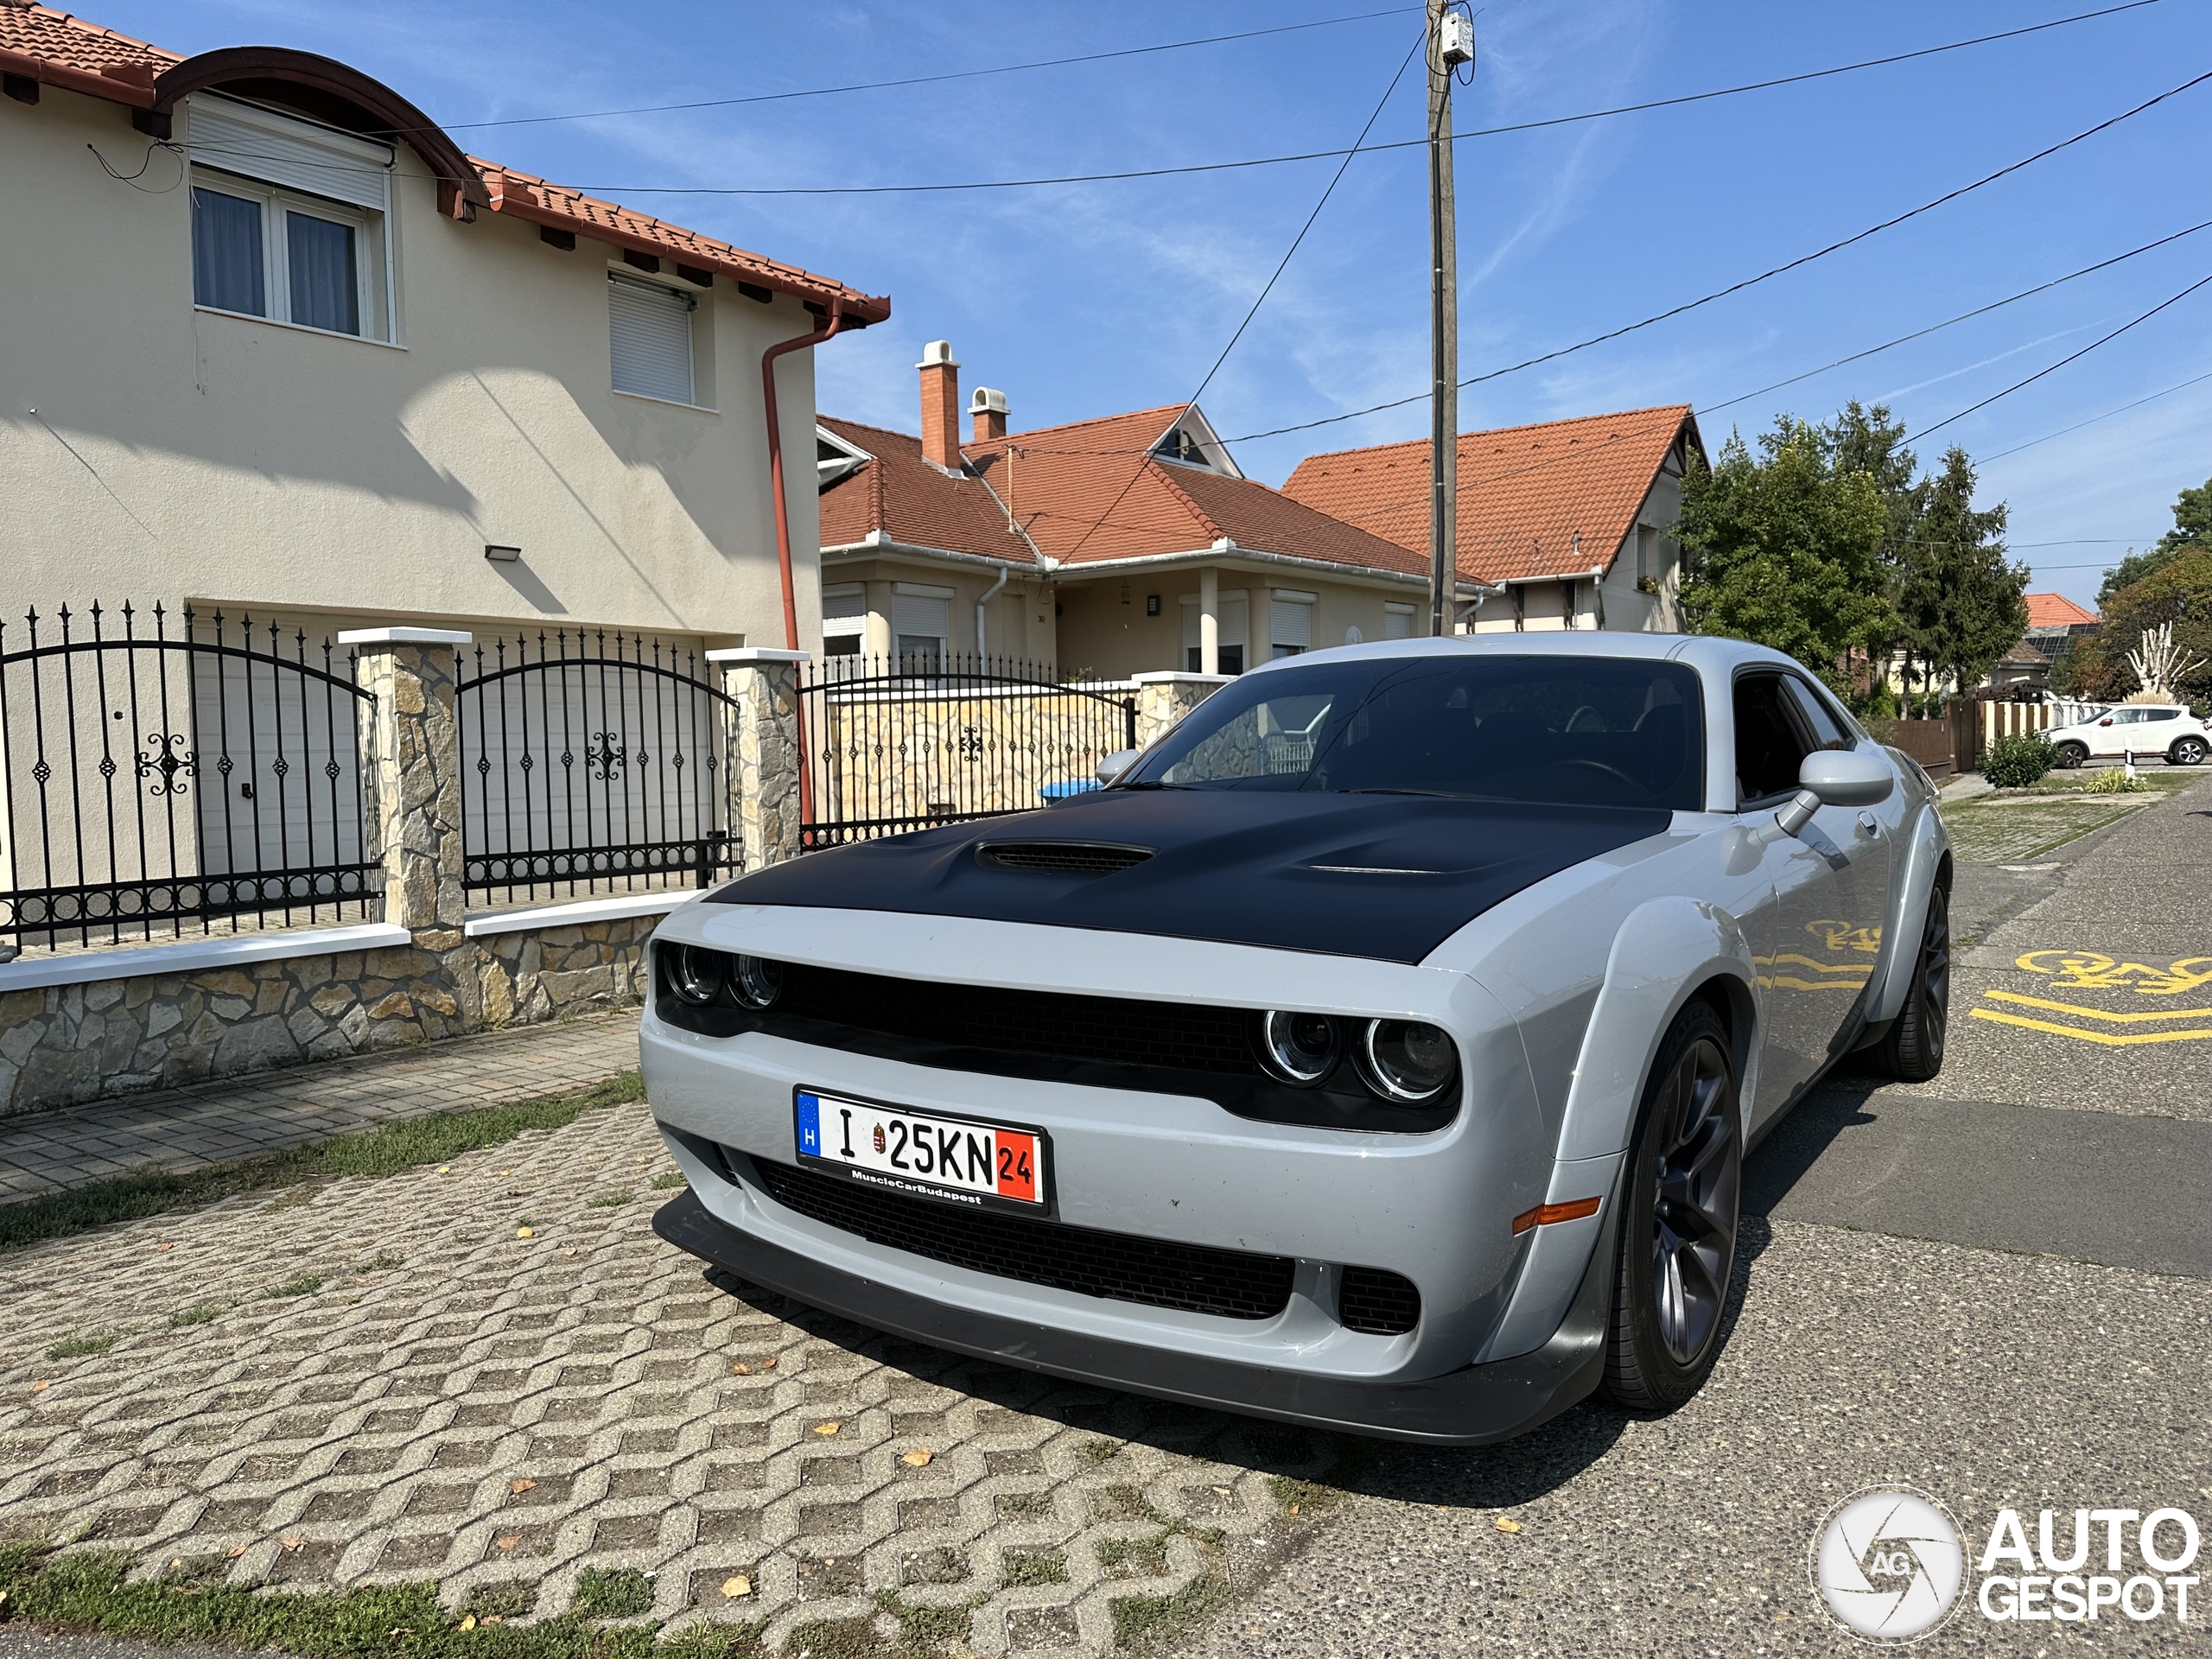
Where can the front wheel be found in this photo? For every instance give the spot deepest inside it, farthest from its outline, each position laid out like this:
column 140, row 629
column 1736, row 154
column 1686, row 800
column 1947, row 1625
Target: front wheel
column 2190, row 752
column 1680, row 1209
column 2070, row 755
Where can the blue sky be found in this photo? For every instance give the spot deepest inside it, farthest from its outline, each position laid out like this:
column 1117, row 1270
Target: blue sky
column 1088, row 299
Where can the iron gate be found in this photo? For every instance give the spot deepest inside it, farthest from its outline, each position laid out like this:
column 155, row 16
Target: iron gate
column 155, row 780
column 906, row 744
column 600, row 764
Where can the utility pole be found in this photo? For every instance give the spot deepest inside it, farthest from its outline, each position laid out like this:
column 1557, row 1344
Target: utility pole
column 1451, row 43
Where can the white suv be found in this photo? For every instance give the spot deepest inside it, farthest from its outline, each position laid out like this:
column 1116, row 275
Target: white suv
column 2143, row 730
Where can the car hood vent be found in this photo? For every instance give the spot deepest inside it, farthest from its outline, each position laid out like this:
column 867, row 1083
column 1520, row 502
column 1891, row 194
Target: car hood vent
column 1060, row 857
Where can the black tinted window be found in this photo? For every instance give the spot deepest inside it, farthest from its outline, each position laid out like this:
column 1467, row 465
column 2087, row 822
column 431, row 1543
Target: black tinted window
column 1594, row 731
column 1827, row 731
column 1769, row 746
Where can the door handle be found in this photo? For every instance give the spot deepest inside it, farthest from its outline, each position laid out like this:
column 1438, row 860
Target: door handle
column 1869, row 826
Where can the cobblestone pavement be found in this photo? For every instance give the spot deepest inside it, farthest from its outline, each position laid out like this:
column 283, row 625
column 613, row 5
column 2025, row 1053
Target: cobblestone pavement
column 236, row 1117
column 378, row 1380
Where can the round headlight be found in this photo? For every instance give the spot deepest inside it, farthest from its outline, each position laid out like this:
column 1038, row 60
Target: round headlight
column 1407, row 1060
column 1299, row 1049
column 757, row 981
column 697, row 973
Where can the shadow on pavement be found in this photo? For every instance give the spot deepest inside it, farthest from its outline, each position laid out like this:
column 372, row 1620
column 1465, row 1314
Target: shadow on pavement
column 1795, row 1144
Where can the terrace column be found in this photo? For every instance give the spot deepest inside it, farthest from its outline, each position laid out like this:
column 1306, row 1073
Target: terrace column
column 1209, row 620
column 762, row 743
column 410, row 768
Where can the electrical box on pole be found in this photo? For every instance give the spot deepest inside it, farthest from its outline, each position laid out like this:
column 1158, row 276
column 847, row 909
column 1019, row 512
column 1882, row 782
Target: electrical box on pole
column 1451, row 43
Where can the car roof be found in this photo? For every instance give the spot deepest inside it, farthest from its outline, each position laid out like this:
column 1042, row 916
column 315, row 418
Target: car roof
column 1713, row 656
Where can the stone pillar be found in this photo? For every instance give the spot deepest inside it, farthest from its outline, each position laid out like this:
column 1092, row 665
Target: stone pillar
column 410, row 766
column 1209, row 620
column 763, row 746
column 1164, row 698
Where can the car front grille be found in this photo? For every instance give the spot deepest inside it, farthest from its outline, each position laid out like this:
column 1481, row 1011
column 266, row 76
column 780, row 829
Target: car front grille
column 1120, row 1267
column 1118, row 1031
column 1377, row 1302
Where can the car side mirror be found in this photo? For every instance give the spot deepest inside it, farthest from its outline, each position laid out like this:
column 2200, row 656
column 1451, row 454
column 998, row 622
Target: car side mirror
column 1115, row 764
column 1846, row 778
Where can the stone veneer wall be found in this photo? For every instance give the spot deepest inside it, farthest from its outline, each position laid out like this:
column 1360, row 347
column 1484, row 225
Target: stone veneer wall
column 63, row 1044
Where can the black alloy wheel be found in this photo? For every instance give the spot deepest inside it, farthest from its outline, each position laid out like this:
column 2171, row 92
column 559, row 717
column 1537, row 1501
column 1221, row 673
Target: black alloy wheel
column 2068, row 756
column 1682, row 1189
column 1913, row 1050
column 2190, row 752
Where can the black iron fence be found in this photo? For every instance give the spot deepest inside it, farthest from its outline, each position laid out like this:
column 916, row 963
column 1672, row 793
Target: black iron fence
column 905, row 743
column 167, row 775
column 593, row 763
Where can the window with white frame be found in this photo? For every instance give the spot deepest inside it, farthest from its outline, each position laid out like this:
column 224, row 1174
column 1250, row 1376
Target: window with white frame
column 1290, row 622
column 649, row 338
column 288, row 219
column 844, row 620
column 921, row 624
column 1397, row 621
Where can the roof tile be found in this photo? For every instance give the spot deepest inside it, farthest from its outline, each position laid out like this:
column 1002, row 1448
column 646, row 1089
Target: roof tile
column 2056, row 611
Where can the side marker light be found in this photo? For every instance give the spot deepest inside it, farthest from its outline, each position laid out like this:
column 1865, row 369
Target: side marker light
column 1545, row 1214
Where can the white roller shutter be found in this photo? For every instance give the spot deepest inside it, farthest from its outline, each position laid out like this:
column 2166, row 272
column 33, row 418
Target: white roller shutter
column 1397, row 621
column 649, row 332
column 919, row 614
column 1290, row 622
column 257, row 143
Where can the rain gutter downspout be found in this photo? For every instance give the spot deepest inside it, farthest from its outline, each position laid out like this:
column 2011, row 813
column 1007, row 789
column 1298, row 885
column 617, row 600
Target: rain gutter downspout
column 990, row 594
column 827, row 331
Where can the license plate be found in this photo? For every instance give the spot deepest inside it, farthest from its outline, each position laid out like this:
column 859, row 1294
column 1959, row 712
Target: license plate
column 928, row 1154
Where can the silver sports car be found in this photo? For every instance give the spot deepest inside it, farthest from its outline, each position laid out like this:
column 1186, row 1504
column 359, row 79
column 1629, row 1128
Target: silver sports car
column 1379, row 1049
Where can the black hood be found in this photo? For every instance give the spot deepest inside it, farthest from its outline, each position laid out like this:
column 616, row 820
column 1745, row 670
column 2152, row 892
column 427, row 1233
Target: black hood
column 1384, row 876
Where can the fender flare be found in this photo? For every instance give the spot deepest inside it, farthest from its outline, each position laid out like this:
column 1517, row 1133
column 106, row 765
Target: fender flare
column 1665, row 951
column 1924, row 856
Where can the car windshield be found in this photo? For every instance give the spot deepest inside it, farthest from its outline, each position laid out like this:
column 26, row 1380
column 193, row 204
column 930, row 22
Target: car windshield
column 1594, row 731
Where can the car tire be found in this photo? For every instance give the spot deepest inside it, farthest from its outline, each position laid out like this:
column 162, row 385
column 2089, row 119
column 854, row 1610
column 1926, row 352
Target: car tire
column 1681, row 1196
column 1912, row 1049
column 2068, row 756
column 2189, row 751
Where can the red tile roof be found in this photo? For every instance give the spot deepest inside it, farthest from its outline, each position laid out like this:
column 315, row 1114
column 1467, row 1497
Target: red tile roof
column 60, row 50
column 903, row 497
column 2056, row 611
column 1091, row 491
column 1525, row 491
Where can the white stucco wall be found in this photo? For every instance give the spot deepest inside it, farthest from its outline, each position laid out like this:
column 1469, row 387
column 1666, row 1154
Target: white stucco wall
column 176, row 453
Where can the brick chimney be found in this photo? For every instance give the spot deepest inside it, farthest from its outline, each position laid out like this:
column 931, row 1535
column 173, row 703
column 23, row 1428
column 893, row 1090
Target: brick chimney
column 940, row 405
column 988, row 407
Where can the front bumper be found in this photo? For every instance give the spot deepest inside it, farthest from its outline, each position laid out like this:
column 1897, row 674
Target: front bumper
column 1475, row 1405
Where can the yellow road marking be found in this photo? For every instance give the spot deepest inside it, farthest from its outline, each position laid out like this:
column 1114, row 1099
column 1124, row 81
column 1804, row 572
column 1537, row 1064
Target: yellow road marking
column 2098, row 1013
column 2109, row 1039
column 2092, row 970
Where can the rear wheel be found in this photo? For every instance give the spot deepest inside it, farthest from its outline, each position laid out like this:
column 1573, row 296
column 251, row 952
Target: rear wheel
column 1913, row 1050
column 2070, row 755
column 1680, row 1198
column 2190, row 752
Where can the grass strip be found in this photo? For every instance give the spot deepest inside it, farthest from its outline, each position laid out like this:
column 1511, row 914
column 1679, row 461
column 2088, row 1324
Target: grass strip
column 436, row 1137
column 89, row 1591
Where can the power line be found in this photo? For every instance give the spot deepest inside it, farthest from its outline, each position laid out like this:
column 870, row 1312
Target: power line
column 1328, row 155
column 967, row 74
column 2094, row 419
column 1748, row 282
column 2063, row 361
column 1190, row 402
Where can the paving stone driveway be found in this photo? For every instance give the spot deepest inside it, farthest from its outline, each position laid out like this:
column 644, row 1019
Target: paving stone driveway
column 379, row 1380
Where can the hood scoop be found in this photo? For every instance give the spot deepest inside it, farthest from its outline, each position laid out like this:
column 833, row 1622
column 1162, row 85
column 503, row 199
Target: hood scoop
column 1060, row 857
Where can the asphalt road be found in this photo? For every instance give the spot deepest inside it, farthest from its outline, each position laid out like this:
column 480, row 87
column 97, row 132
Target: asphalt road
column 1994, row 1287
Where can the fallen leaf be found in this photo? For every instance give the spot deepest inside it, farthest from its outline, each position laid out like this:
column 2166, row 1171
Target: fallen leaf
column 520, row 1487
column 918, row 1458
column 507, row 1542
column 176, row 1561
column 507, row 1171
column 525, row 1232
column 294, row 1541
column 769, row 1363
column 41, row 1388
column 494, row 1618
column 740, row 1586
column 1294, row 1509
column 570, row 1252
column 830, row 1427
column 1508, row 1526
column 235, row 1551
column 445, row 1169
column 158, row 1249
column 740, row 1370
column 469, row 1622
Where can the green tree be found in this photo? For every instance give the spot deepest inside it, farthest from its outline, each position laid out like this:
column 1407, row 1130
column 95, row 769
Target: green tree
column 2178, row 591
column 1966, row 608
column 1864, row 439
column 2192, row 528
column 1785, row 550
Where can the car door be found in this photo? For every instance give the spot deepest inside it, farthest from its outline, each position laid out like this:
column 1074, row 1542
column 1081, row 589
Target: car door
column 1842, row 947
column 2117, row 733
